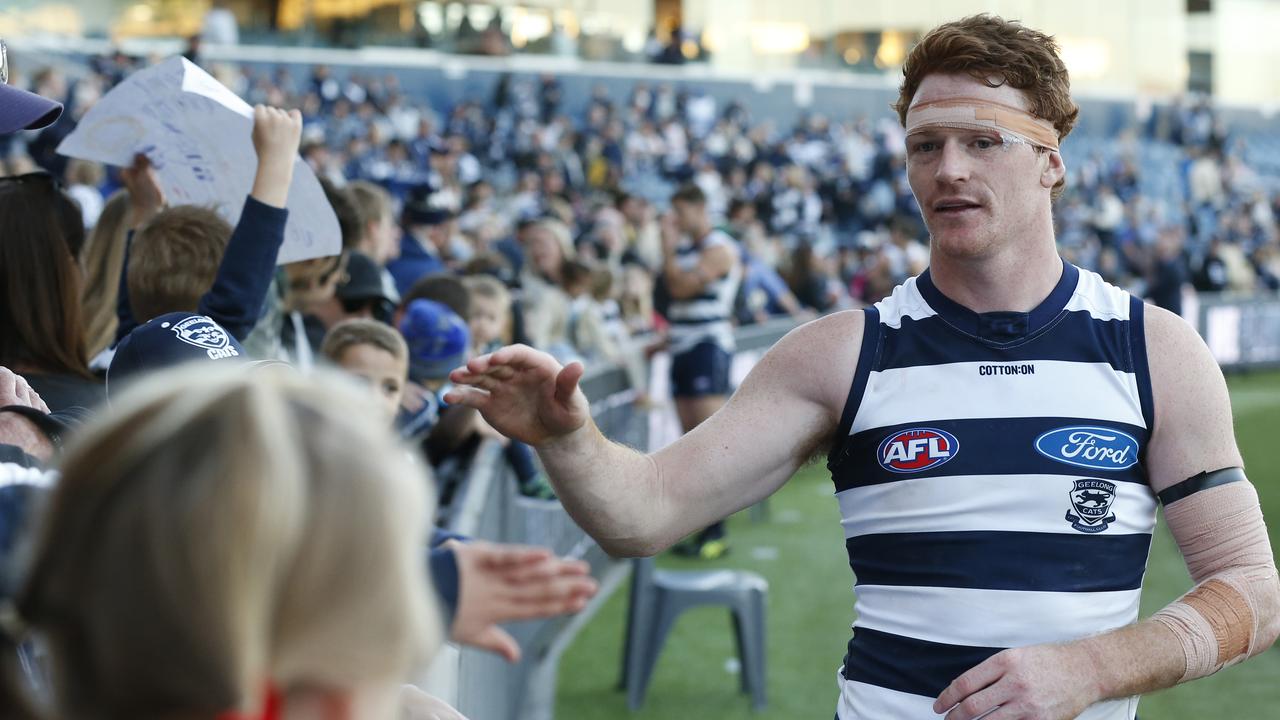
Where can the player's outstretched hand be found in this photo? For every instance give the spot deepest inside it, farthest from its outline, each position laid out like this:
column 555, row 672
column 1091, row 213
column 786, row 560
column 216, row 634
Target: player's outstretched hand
column 1039, row 682
column 505, row 583
column 523, row 393
column 276, row 135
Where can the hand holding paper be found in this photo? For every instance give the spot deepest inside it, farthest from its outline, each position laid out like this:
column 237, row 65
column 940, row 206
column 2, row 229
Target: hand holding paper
column 201, row 144
column 276, row 134
column 145, row 196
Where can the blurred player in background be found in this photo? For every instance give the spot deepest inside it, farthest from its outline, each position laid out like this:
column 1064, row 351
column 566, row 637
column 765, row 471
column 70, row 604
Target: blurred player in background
column 703, row 270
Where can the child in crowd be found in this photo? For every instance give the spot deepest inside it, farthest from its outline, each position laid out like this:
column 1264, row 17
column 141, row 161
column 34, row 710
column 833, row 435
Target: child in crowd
column 490, row 313
column 187, row 259
column 587, row 331
column 380, row 234
column 374, row 352
column 438, row 342
column 309, row 304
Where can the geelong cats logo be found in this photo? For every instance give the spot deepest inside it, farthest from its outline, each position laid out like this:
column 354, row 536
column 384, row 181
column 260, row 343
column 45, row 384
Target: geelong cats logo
column 1091, row 502
column 207, row 335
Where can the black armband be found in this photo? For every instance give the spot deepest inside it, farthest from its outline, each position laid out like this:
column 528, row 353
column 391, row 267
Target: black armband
column 1202, row 481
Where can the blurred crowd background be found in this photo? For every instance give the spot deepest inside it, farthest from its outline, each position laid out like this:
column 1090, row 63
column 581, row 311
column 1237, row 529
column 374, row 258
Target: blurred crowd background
column 819, row 203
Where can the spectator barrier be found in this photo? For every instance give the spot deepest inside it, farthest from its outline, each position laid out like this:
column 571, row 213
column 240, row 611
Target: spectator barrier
column 486, row 506
column 1242, row 331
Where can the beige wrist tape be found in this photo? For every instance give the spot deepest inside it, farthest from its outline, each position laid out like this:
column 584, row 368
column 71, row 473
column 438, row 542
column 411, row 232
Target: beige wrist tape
column 975, row 114
column 1234, row 610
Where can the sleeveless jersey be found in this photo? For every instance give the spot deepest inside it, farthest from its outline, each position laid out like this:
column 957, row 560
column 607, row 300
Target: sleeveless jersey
column 991, row 486
column 705, row 317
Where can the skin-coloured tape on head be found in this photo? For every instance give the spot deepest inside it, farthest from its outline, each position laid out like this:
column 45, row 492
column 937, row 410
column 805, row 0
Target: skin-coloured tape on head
column 965, row 112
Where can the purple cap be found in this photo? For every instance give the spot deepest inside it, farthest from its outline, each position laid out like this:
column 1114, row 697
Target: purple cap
column 22, row 110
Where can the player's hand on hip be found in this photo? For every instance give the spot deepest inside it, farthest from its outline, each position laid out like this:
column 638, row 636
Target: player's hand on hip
column 1040, row 682
column 523, row 393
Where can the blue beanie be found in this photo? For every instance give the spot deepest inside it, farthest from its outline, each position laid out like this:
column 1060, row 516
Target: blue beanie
column 438, row 339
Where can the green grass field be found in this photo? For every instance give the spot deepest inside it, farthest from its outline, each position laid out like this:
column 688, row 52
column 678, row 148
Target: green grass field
column 801, row 552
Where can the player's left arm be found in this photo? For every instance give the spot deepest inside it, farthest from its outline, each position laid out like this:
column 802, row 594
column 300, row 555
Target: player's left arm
column 1232, row 613
column 1212, row 509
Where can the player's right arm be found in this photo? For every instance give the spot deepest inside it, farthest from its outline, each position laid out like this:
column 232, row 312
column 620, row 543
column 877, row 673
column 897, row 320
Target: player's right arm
column 635, row 504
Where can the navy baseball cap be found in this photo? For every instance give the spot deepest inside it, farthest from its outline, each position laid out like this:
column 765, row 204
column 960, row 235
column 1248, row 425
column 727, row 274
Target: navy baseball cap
column 422, row 207
column 19, row 109
column 367, row 284
column 438, row 339
column 366, row 281
column 171, row 340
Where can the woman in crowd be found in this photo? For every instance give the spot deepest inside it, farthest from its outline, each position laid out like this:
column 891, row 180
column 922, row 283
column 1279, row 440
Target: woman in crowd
column 218, row 548
column 42, row 334
column 545, row 303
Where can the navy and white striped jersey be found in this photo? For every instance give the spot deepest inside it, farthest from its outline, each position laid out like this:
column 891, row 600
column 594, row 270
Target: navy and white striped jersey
column 706, row 317
column 991, row 486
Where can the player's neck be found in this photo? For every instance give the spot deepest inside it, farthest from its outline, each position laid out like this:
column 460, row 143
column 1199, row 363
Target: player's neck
column 1010, row 281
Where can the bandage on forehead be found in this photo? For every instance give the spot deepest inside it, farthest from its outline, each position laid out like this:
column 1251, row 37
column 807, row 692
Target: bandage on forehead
column 975, row 114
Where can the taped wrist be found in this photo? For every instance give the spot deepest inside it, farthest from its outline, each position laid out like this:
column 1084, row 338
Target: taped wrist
column 1233, row 612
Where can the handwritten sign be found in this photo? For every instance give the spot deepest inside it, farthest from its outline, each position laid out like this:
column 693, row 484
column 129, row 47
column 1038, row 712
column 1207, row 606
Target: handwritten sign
column 198, row 135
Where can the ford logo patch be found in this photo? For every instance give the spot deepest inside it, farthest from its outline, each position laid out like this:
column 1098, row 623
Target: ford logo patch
column 1098, row 448
column 916, row 449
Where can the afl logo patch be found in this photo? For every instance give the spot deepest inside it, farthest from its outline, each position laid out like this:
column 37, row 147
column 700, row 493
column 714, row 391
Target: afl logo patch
column 916, row 449
column 1097, row 448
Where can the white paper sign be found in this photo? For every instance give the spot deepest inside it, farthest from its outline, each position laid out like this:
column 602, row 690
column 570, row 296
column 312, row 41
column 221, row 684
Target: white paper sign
column 198, row 135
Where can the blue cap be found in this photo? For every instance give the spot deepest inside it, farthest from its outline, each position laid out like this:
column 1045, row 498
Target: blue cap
column 438, row 339
column 171, row 340
column 22, row 110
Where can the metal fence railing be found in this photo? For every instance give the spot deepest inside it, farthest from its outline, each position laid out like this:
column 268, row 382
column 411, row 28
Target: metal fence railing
column 486, row 506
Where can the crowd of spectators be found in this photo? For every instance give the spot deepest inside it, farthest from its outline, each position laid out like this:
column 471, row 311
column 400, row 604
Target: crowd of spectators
column 536, row 219
column 821, row 207
column 280, row 500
